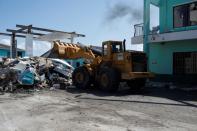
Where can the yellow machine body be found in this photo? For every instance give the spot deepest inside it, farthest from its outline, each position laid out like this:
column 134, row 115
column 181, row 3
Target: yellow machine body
column 126, row 65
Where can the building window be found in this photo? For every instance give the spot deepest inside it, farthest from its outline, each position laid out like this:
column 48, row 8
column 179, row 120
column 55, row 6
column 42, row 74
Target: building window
column 193, row 14
column 185, row 15
column 20, row 54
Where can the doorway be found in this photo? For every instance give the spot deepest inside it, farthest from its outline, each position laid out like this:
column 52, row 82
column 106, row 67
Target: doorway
column 185, row 63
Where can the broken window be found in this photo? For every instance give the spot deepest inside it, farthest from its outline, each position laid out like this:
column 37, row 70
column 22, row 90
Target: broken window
column 185, row 15
column 193, row 14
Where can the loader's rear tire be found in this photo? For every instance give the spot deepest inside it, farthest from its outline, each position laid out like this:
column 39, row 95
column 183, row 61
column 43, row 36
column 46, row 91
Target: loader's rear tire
column 81, row 78
column 137, row 84
column 108, row 79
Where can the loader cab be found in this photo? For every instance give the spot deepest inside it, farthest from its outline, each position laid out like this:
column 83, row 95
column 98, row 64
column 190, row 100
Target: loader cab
column 111, row 47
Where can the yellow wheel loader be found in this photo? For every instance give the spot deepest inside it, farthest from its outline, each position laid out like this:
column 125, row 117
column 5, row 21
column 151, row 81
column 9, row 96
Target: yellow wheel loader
column 108, row 69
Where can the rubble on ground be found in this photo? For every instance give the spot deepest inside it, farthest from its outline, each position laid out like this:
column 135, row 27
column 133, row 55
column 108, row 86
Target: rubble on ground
column 34, row 73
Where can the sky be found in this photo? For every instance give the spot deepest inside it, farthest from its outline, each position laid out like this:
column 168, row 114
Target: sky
column 99, row 20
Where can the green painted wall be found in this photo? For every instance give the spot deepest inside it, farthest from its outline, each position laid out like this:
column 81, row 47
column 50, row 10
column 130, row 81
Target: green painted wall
column 161, row 55
column 3, row 53
column 6, row 53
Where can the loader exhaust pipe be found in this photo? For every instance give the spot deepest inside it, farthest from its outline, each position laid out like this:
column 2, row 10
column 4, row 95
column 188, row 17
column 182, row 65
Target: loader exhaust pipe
column 124, row 45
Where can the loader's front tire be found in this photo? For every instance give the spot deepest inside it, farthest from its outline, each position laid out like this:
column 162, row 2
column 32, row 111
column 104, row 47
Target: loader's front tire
column 108, row 79
column 81, row 78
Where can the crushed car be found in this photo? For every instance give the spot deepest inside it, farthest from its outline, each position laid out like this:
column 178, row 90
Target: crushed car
column 35, row 72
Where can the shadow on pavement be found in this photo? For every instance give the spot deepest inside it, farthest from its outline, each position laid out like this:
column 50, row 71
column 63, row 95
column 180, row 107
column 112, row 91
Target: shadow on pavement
column 181, row 98
column 143, row 102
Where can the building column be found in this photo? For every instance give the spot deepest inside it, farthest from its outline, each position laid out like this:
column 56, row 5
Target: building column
column 72, row 39
column 146, row 29
column 13, row 50
column 29, row 43
column 146, row 25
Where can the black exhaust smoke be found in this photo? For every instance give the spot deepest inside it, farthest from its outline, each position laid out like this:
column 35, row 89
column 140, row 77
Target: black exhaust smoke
column 120, row 10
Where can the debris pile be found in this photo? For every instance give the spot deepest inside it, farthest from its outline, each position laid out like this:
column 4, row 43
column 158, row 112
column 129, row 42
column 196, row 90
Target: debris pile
column 34, row 73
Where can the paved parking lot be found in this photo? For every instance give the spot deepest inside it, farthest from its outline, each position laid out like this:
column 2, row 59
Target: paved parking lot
column 60, row 110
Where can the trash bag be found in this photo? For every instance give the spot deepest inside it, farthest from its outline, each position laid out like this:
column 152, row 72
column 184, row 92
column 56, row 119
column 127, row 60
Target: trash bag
column 28, row 78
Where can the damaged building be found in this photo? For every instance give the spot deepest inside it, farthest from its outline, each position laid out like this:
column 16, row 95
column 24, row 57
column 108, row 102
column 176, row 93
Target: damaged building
column 171, row 46
column 5, row 51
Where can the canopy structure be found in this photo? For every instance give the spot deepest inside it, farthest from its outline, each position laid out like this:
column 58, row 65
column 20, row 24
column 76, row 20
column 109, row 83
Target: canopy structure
column 36, row 33
column 58, row 36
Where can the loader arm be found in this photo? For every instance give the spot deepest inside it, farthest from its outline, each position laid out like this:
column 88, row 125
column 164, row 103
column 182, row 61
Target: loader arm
column 74, row 51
